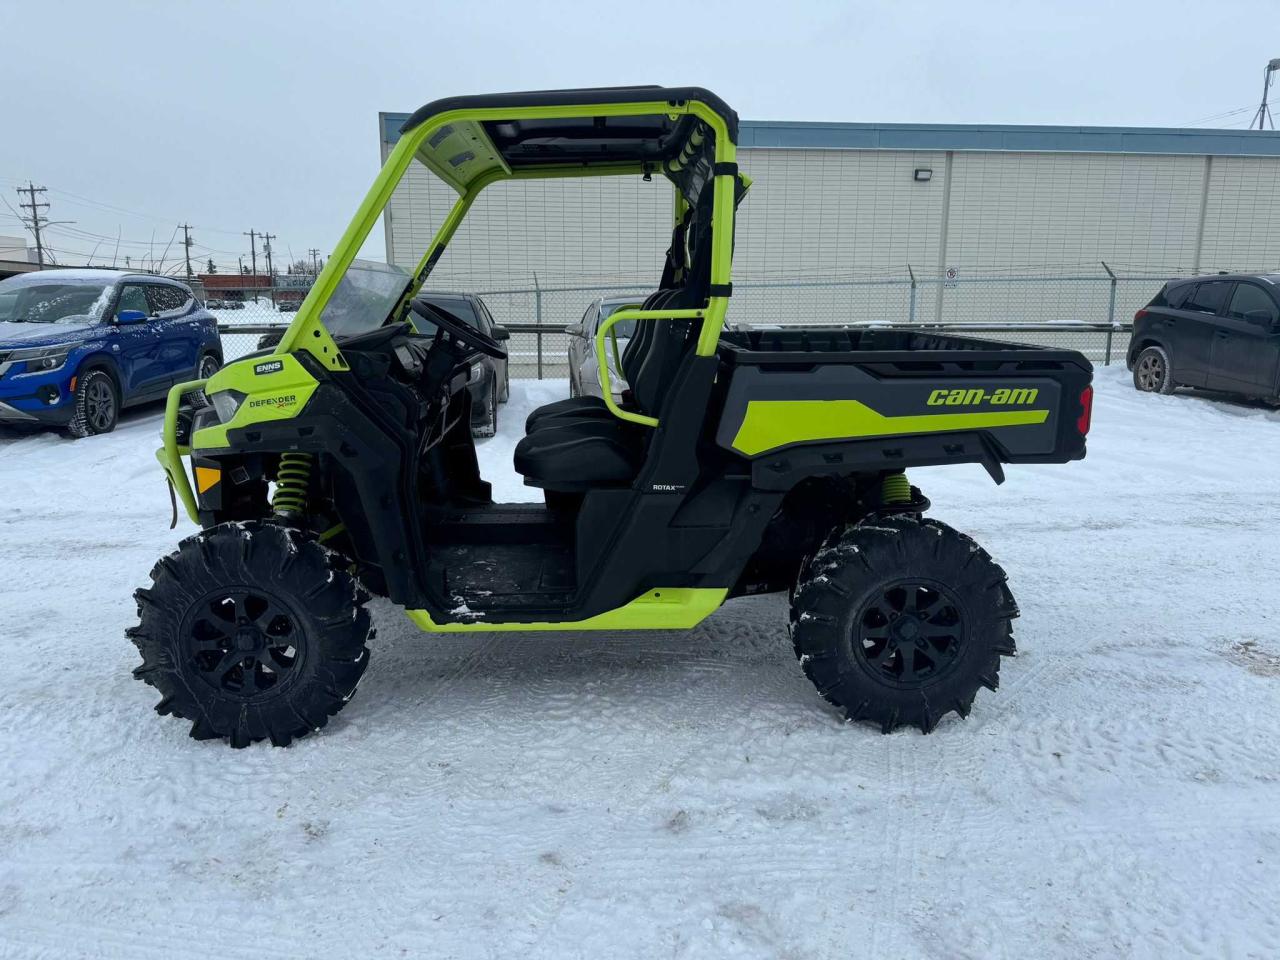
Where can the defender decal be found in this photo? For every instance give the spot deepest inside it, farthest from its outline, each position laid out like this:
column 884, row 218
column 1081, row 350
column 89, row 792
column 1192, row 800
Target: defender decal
column 283, row 402
column 976, row 397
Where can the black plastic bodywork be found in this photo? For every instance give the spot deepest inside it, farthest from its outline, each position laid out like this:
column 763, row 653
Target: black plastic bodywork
column 418, row 522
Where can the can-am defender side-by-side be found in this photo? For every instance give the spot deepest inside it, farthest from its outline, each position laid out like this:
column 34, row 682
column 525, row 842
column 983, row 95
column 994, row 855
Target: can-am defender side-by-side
column 341, row 463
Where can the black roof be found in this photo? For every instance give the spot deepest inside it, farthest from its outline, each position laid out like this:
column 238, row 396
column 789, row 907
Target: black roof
column 588, row 95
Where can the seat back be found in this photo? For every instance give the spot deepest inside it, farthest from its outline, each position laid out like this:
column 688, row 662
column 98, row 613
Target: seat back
column 669, row 340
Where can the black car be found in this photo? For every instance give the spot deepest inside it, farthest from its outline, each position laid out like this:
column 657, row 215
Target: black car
column 1219, row 332
column 489, row 380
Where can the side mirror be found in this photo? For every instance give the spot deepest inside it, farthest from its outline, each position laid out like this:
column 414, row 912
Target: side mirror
column 130, row 316
column 574, row 330
column 501, row 333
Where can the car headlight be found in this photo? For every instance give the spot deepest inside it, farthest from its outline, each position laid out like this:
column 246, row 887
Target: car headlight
column 40, row 359
column 475, row 373
column 226, row 403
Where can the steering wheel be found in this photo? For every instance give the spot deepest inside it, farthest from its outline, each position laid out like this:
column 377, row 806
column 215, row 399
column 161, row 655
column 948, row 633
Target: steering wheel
column 458, row 329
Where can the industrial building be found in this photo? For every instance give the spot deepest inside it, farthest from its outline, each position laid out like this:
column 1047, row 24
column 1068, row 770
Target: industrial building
column 862, row 221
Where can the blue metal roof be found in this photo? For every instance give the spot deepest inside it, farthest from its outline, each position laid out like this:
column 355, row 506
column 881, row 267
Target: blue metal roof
column 801, row 135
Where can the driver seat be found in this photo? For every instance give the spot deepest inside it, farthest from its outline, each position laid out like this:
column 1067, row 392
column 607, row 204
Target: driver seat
column 575, row 452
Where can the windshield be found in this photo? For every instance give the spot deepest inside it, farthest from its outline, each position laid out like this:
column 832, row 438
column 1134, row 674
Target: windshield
column 364, row 298
column 52, row 301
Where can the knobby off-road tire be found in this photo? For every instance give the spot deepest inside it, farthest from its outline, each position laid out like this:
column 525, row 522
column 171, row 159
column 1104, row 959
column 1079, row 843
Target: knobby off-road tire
column 1153, row 372
column 252, row 632
column 97, row 405
column 900, row 620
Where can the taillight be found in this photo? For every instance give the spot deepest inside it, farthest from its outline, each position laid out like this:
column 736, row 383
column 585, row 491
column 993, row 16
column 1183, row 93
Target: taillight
column 1140, row 314
column 1086, row 411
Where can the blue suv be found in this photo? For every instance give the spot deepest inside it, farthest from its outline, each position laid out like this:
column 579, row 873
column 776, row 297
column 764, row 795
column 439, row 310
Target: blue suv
column 77, row 346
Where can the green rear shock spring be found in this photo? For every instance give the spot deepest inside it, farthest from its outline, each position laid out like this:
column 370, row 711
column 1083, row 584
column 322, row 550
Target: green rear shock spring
column 895, row 488
column 292, row 479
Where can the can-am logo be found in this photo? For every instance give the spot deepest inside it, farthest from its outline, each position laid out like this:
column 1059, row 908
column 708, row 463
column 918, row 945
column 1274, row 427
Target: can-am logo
column 279, row 403
column 271, row 366
column 1004, row 397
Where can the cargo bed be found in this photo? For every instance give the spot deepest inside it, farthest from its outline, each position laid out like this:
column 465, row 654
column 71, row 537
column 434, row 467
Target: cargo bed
column 879, row 397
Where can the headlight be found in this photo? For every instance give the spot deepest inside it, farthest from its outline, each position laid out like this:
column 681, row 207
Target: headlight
column 475, row 373
column 226, row 402
column 40, row 359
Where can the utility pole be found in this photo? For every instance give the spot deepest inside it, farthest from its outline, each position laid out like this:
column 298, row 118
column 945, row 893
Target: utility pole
column 315, row 267
column 186, row 242
column 253, row 250
column 253, row 257
column 271, row 277
column 1264, row 111
column 36, row 219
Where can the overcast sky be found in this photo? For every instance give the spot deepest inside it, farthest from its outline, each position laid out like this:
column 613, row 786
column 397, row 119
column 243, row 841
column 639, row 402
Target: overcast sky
column 263, row 115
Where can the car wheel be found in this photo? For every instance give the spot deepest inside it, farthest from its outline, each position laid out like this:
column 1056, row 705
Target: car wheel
column 1152, row 371
column 97, row 405
column 506, row 386
column 209, row 365
column 489, row 426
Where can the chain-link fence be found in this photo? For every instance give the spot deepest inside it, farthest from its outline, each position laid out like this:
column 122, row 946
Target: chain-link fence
column 1089, row 313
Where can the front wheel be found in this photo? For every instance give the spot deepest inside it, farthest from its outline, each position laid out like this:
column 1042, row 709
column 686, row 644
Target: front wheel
column 900, row 620
column 209, row 365
column 97, row 405
column 250, row 632
column 1152, row 371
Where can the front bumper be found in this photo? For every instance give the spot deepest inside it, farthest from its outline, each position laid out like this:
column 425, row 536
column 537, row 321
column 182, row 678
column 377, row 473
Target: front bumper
column 32, row 411
column 37, row 398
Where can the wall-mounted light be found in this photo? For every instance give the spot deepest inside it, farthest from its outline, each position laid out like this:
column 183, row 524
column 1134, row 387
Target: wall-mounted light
column 922, row 175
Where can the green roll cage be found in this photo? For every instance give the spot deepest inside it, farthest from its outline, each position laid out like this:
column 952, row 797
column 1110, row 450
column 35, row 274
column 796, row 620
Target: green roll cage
column 450, row 139
column 443, row 137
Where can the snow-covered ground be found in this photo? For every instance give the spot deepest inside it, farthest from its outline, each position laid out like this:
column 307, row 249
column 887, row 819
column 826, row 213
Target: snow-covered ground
column 678, row 795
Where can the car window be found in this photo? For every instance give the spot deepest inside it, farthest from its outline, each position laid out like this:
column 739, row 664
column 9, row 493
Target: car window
column 1208, row 296
column 166, row 300
column 133, row 296
column 1175, row 296
column 1253, row 304
column 483, row 321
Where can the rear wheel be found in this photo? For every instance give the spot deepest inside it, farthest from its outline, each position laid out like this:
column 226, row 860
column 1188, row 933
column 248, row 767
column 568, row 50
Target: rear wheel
column 900, row 620
column 1152, row 371
column 251, row 633
column 209, row 365
column 97, row 404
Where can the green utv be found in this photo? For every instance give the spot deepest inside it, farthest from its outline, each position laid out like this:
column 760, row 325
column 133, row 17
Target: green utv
column 341, row 463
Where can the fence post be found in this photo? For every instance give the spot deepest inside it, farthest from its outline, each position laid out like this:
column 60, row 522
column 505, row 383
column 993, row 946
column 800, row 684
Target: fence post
column 537, row 318
column 1111, row 312
column 911, row 302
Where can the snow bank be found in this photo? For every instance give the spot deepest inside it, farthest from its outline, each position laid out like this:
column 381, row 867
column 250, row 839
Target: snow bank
column 677, row 795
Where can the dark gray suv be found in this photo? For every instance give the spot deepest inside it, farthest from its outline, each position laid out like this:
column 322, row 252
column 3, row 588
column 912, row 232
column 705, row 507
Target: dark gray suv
column 1219, row 332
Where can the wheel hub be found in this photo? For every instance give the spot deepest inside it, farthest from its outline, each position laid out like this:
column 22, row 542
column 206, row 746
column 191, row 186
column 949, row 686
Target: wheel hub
column 243, row 642
column 909, row 633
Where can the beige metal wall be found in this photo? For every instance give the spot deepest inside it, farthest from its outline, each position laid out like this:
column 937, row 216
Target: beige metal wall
column 821, row 215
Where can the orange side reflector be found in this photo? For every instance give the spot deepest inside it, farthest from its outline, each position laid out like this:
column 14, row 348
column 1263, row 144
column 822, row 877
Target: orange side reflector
column 206, row 477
